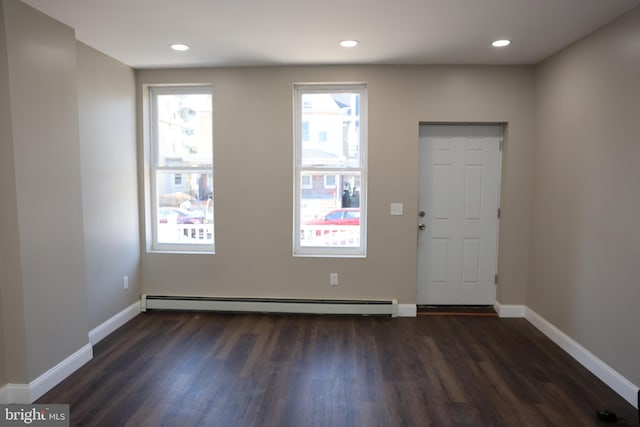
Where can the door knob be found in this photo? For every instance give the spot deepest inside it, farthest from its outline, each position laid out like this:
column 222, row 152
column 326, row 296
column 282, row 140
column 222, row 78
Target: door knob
column 422, row 214
column 422, row 226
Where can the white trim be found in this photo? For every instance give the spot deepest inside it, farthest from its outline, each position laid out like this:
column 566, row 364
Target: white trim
column 29, row 393
column 600, row 369
column 18, row 393
column 58, row 373
column 98, row 333
column 14, row 393
column 506, row 311
column 407, row 310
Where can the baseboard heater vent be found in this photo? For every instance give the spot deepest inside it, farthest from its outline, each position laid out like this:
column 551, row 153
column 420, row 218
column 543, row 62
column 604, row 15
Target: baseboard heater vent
column 270, row 305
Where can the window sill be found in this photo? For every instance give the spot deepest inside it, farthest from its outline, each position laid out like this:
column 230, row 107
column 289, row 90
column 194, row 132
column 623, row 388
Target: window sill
column 329, row 255
column 175, row 252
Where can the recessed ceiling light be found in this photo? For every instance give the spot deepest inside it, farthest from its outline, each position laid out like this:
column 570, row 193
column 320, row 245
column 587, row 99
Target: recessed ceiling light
column 349, row 43
column 501, row 43
column 179, row 46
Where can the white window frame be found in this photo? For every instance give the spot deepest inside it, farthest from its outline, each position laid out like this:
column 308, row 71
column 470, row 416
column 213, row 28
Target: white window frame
column 151, row 160
column 299, row 169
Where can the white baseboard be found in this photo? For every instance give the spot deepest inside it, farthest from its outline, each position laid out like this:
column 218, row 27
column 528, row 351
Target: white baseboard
column 58, row 373
column 407, row 310
column 604, row 372
column 608, row 375
column 14, row 393
column 98, row 333
column 29, row 393
column 506, row 311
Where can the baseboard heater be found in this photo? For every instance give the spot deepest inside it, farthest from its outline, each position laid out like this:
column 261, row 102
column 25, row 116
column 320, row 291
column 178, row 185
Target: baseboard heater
column 270, row 305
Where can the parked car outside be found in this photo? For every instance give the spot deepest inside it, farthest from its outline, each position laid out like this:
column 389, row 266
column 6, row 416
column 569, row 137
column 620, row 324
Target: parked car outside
column 179, row 216
column 344, row 216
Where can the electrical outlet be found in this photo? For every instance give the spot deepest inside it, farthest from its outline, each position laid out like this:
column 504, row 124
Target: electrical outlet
column 333, row 279
column 125, row 282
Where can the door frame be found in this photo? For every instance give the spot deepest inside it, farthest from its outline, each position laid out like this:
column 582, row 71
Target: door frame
column 504, row 128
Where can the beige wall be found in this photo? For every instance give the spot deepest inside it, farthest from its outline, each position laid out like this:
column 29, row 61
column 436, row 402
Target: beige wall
column 253, row 179
column 7, row 195
column 3, row 347
column 106, row 101
column 5, row 153
column 585, row 246
column 12, row 322
column 7, row 216
column 47, row 281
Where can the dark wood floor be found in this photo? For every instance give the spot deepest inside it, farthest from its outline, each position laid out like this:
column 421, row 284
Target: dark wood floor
column 205, row 369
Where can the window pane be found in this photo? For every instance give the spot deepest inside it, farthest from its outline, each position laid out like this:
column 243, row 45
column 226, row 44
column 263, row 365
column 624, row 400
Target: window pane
column 306, row 181
column 331, row 129
column 184, row 127
column 184, row 207
column 330, row 216
column 330, row 181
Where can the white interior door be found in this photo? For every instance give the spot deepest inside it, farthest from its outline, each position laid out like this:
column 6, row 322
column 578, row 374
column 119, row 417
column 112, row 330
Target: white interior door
column 459, row 200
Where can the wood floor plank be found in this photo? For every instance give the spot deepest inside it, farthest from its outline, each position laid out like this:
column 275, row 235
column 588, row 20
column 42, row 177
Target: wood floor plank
column 213, row 369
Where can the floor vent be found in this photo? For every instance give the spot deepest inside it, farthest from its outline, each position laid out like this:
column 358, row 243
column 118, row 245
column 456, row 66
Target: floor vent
column 270, row 305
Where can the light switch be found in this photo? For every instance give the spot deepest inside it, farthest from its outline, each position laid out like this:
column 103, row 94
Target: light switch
column 396, row 208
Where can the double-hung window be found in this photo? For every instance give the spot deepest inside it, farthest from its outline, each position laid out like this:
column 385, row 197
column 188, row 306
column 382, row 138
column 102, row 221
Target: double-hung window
column 180, row 158
column 330, row 183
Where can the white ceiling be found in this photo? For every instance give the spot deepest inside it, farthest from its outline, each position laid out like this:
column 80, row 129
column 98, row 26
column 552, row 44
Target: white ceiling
column 274, row 32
